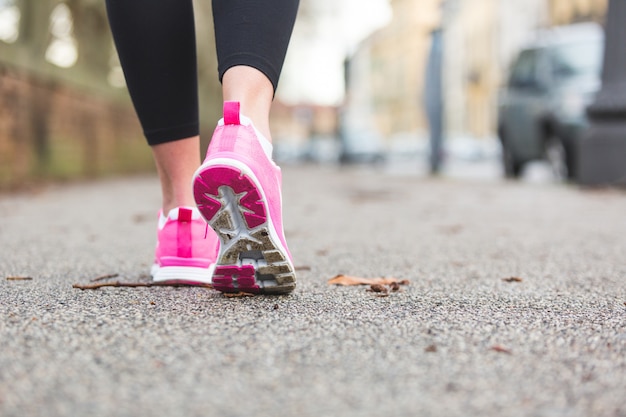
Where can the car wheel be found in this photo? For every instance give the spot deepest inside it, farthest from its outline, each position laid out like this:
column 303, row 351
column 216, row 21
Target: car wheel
column 512, row 167
column 557, row 157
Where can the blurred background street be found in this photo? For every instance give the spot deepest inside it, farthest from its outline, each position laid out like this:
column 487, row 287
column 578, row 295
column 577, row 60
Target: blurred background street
column 423, row 86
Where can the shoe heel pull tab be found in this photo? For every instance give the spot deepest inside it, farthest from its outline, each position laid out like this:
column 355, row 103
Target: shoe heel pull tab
column 184, row 215
column 231, row 113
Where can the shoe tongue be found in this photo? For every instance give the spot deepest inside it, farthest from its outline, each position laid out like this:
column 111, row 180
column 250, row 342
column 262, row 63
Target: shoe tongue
column 231, row 113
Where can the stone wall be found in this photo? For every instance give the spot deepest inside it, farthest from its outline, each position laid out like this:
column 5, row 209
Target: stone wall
column 51, row 130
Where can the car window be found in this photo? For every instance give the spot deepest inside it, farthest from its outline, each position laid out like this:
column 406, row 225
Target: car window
column 523, row 73
column 577, row 59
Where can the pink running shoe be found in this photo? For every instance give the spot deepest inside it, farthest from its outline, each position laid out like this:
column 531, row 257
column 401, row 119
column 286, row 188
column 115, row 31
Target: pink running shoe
column 186, row 248
column 237, row 190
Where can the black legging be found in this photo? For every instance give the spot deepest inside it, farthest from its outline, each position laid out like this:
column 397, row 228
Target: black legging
column 156, row 43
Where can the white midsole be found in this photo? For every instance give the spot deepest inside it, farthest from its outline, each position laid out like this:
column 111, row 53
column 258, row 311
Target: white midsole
column 182, row 273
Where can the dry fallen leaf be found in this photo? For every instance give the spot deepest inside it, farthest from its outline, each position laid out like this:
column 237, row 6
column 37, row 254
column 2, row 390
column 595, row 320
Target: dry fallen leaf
column 512, row 279
column 141, row 217
column 378, row 288
column 451, row 229
column 351, row 280
column 19, row 278
column 238, row 294
column 431, row 349
column 500, row 349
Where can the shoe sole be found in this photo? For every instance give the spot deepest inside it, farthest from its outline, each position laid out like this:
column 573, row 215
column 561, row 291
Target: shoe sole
column 252, row 258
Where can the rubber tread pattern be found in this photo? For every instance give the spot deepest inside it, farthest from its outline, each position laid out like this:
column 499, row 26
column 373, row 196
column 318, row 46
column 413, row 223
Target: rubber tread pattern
column 249, row 260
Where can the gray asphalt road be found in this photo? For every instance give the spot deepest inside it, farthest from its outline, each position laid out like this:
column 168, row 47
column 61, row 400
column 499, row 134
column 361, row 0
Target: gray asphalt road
column 458, row 341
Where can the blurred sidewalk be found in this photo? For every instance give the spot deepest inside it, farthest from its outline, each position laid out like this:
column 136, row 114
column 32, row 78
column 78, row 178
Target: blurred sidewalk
column 515, row 307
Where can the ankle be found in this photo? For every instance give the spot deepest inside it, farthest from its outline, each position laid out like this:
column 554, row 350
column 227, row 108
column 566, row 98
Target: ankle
column 254, row 91
column 167, row 207
column 263, row 127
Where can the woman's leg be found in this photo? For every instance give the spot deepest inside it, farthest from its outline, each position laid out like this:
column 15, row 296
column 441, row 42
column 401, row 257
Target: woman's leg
column 156, row 44
column 176, row 162
column 238, row 186
column 254, row 91
column 251, row 41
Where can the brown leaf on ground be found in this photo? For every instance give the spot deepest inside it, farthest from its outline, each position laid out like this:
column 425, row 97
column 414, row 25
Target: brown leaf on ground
column 378, row 288
column 451, row 229
column 351, row 280
column 141, row 217
column 19, row 278
column 512, row 279
column 501, row 349
column 431, row 349
column 394, row 286
column 238, row 294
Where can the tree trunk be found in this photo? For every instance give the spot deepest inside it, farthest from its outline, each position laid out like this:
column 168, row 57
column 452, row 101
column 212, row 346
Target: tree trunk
column 93, row 38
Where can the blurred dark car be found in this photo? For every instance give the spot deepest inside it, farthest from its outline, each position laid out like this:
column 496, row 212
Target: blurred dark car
column 542, row 109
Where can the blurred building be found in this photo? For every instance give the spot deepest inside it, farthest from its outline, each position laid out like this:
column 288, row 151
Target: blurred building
column 562, row 12
column 297, row 123
column 385, row 75
column 296, row 127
